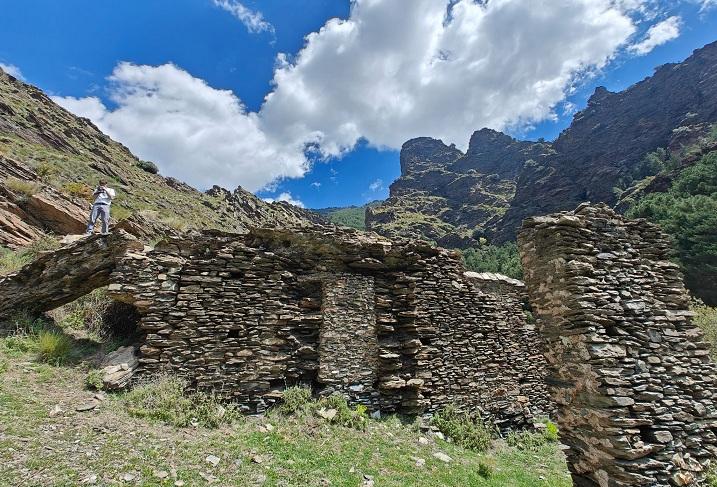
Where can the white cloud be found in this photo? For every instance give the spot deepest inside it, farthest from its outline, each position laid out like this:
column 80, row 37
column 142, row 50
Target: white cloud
column 252, row 20
column 376, row 185
column 706, row 4
column 90, row 107
column 286, row 197
column 316, row 184
column 657, row 35
column 400, row 69
column 12, row 70
column 395, row 69
column 191, row 130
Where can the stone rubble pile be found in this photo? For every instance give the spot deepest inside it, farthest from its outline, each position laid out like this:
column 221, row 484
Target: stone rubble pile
column 630, row 374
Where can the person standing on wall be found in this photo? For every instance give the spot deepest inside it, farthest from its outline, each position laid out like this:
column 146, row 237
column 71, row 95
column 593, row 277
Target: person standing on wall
column 101, row 208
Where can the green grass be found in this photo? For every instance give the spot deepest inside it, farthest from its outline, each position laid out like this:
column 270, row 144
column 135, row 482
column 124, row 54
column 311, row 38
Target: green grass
column 706, row 320
column 53, row 347
column 21, row 187
column 163, row 399
column 13, row 260
column 282, row 448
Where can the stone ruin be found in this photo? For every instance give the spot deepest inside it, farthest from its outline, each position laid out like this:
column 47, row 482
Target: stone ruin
column 629, row 373
column 400, row 326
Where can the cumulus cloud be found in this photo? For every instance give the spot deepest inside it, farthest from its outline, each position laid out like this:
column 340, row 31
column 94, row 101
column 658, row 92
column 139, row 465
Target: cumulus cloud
column 400, row 69
column 657, row 35
column 252, row 19
column 286, row 197
column 12, row 70
column 192, row 131
column 395, row 69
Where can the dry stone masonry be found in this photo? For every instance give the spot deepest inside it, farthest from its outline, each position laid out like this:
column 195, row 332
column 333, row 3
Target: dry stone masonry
column 395, row 325
column 629, row 372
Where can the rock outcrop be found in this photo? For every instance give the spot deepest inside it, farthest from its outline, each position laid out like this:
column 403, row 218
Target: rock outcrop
column 28, row 208
column 608, row 139
column 59, row 277
column 118, row 368
column 630, row 374
column 451, row 198
column 448, row 197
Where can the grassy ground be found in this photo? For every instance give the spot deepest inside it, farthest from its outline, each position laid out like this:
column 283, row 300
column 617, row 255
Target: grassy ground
column 44, row 441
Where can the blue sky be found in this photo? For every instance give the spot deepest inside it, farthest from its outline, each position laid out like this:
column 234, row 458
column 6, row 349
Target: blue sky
column 329, row 136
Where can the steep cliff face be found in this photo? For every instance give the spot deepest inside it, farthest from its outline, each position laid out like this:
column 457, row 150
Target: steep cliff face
column 449, row 197
column 608, row 139
column 50, row 160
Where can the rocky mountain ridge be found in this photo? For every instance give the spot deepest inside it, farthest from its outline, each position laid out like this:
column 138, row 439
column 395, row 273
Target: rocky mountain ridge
column 450, row 197
column 453, row 198
column 50, row 159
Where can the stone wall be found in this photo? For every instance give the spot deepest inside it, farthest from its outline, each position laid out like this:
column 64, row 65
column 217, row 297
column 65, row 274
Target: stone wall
column 348, row 341
column 629, row 372
column 397, row 326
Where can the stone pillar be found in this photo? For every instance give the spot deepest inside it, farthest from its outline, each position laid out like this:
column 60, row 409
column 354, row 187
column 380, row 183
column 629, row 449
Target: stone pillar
column 348, row 349
column 629, row 372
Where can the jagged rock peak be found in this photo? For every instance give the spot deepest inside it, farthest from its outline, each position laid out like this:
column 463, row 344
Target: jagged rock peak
column 601, row 93
column 493, row 152
column 424, row 153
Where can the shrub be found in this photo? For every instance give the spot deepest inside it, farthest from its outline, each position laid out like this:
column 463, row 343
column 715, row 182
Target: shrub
column 163, row 399
column 485, row 469
column 551, row 432
column 356, row 418
column 533, row 440
column 296, row 399
column 78, row 190
column 93, row 380
column 687, row 212
column 45, row 170
column 22, row 188
column 53, row 347
column 464, row 430
column 148, row 166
